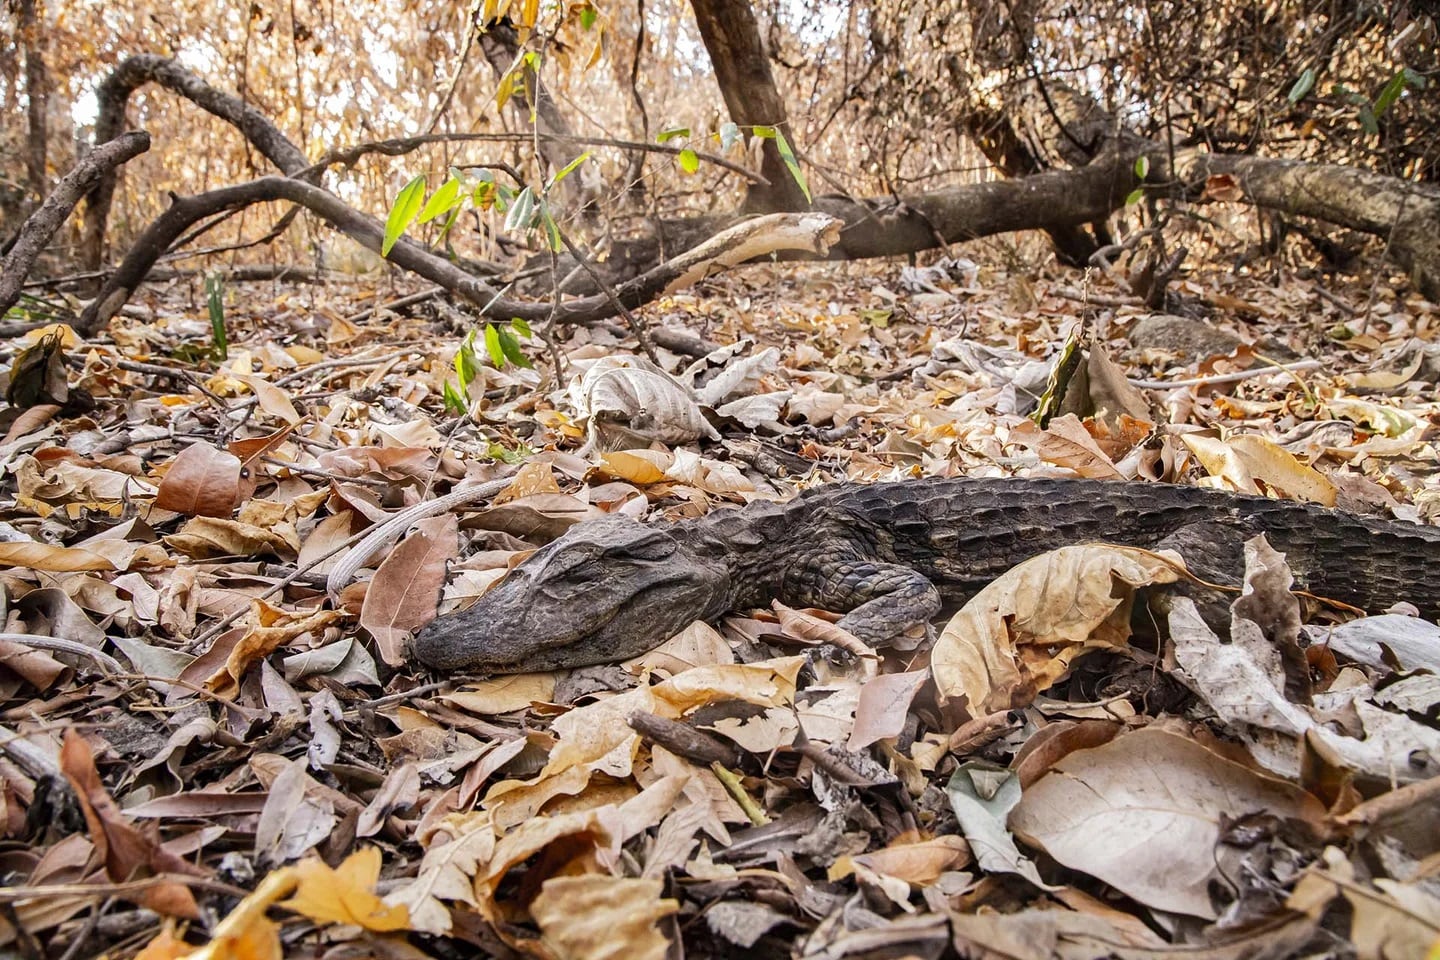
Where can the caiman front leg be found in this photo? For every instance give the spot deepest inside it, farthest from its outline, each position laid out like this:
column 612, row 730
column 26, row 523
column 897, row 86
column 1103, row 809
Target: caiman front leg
column 880, row 600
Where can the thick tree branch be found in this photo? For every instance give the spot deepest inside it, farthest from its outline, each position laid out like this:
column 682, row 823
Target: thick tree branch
column 57, row 206
column 1404, row 213
column 114, row 94
column 761, row 236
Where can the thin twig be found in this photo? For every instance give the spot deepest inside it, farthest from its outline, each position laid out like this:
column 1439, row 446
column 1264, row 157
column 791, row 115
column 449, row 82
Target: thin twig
column 107, row 663
column 1226, row 377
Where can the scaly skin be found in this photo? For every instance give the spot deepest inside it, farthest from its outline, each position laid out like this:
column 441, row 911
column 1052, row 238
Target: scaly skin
column 888, row 555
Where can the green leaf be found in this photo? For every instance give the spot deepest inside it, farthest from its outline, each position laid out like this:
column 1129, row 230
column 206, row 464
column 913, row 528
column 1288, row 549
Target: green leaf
column 729, row 133
column 552, row 229
column 467, row 364
column 454, row 402
column 511, row 348
column 764, row 133
column 442, row 201
column 1414, row 79
column 402, row 213
column 522, row 211
column 522, row 328
column 588, row 16
column 215, row 303
column 450, row 220
column 665, row 136
column 1142, row 166
column 1368, row 119
column 1303, row 85
column 1134, row 196
column 492, row 346
column 1390, row 93
column 689, row 162
column 566, row 170
column 791, row 164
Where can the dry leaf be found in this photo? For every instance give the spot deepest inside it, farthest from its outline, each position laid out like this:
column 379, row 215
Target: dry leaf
column 598, row 917
column 1242, row 459
column 202, row 481
column 1021, row 633
column 1144, row 813
column 345, row 894
column 51, row 559
column 127, row 851
column 405, row 590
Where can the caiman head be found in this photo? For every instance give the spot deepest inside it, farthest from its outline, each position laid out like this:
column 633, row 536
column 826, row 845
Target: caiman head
column 606, row 590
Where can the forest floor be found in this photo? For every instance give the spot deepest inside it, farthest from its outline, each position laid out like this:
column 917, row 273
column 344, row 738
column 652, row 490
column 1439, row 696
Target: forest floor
column 213, row 744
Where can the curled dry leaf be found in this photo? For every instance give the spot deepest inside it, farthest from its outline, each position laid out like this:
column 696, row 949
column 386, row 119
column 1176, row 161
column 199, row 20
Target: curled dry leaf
column 597, row 739
column 128, row 852
column 1387, row 919
column 50, row 558
column 1145, row 811
column 1021, row 633
column 1242, row 459
column 259, row 642
column 599, row 917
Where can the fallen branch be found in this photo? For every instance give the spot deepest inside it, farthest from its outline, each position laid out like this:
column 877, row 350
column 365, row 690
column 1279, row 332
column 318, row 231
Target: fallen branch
column 811, row 233
column 43, row 223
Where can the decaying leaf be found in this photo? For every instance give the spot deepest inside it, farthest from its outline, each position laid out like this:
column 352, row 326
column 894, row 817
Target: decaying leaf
column 1145, row 812
column 597, row 917
column 1020, row 634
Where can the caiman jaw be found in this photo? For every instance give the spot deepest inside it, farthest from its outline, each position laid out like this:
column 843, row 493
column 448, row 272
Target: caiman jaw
column 605, row 592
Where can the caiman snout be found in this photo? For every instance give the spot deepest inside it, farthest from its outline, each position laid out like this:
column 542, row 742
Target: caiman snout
column 604, row 591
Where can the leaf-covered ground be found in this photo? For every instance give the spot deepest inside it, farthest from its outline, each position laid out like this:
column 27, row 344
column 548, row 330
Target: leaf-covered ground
column 212, row 742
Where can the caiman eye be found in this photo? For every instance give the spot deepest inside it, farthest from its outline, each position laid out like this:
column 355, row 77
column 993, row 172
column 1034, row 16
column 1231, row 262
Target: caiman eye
column 587, row 571
column 652, row 548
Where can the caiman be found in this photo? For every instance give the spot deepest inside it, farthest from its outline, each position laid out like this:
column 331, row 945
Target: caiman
column 887, row 555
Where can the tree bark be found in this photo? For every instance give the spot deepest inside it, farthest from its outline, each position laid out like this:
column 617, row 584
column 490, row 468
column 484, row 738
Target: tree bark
column 57, row 206
column 1404, row 213
column 732, row 38
column 37, row 93
column 113, row 95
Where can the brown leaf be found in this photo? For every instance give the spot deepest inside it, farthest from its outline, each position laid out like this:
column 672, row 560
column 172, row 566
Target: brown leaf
column 261, row 641
column 51, row 559
column 1223, row 187
column 405, row 591
column 202, row 481
column 1020, row 634
column 530, row 479
column 206, row 537
column 126, row 850
column 600, row 917
column 1066, row 443
column 1145, row 812
column 884, row 707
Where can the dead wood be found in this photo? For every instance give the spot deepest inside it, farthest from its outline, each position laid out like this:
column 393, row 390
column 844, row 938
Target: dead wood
column 43, row 223
column 1405, row 214
column 745, row 241
column 114, row 94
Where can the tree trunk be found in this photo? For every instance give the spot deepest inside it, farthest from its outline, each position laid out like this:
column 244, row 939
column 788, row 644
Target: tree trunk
column 37, row 92
column 732, row 38
column 1405, row 214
